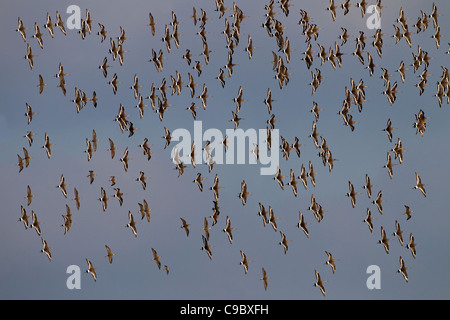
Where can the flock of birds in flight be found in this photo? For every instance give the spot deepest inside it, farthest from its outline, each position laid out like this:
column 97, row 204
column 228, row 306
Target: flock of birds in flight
column 354, row 95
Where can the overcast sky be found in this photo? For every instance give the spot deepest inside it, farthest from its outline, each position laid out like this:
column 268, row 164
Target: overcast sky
column 26, row 273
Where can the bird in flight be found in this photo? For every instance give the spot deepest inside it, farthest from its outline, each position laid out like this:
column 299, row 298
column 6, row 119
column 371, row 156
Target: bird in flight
column 412, row 245
column 38, row 35
column 368, row 219
column 420, row 186
column 131, row 223
column 185, row 226
column 284, row 242
column 156, row 258
column 206, row 247
column 46, row 249
column 352, row 194
column 319, row 282
column 264, row 278
column 152, row 23
column 378, row 201
column 398, row 232
column 62, row 185
column 24, row 217
column 215, row 188
column 41, row 84
column 109, row 254
column 103, row 199
column 302, row 224
column 244, row 261
column 29, row 56
column 35, row 224
column 244, row 193
column 91, row 269
column 29, row 196
column 198, row 180
column 384, row 240
column 330, row 261
column 407, row 212
column 228, row 230
column 403, row 269
column 21, row 29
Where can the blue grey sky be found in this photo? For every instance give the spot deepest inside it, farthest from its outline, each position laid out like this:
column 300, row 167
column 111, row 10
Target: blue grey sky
column 26, row 273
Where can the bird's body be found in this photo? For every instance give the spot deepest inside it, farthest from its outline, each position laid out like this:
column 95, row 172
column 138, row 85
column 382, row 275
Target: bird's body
column 352, row 194
column 206, row 247
column 388, row 129
column 21, row 29
column 62, row 185
column 24, row 217
column 76, row 198
column 144, row 210
column 330, row 261
column 284, row 242
column 38, row 35
column 109, row 254
column 142, row 179
column 29, row 56
column 215, row 188
column 293, row 183
column 91, row 269
column 156, row 258
column 46, row 249
column 35, row 224
column 119, row 195
column 104, row 67
column 398, row 232
column 60, row 23
column 279, row 178
column 389, row 165
column 419, row 185
column 114, row 82
column 378, row 201
column 384, row 240
column 228, row 230
column 244, row 193
column 412, row 245
column 91, row 176
column 131, row 223
column 41, row 84
column 152, row 23
column 47, row 146
column 125, row 159
column 272, row 219
column 198, row 180
column 26, row 157
column 319, row 282
column 185, row 226
column 103, row 199
column 332, row 8
column 29, row 196
column 302, row 224
column 403, row 269
column 112, row 148
column 368, row 186
column 407, row 212
column 244, row 261
column 368, row 219
column 264, row 278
